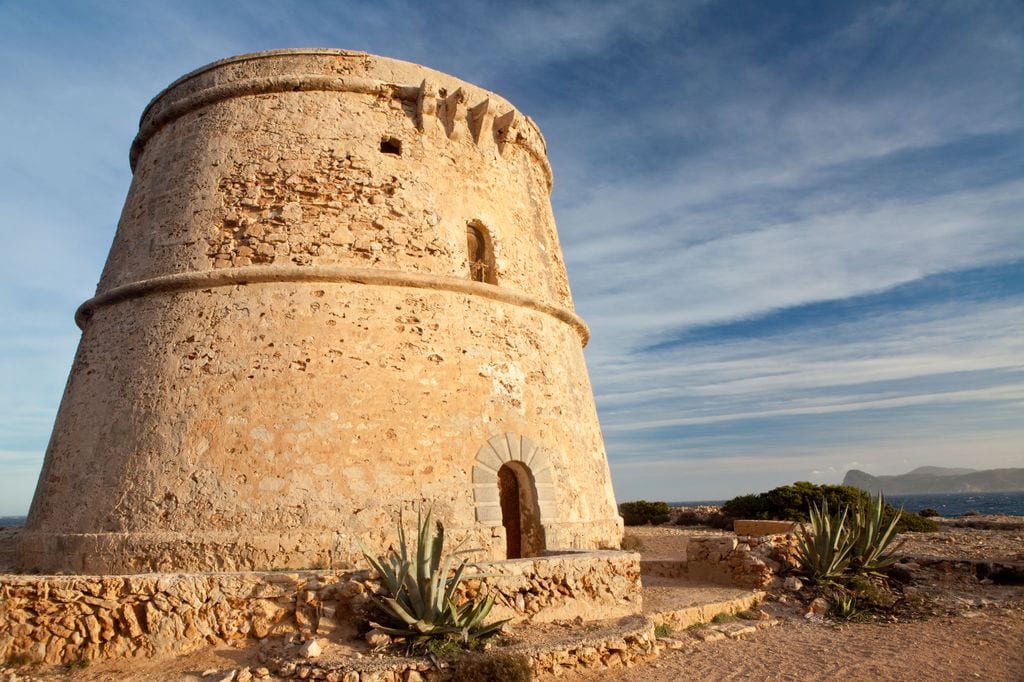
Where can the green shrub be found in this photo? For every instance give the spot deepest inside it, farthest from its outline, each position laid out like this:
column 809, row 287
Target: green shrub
column 928, row 513
column 791, row 502
column 663, row 630
column 418, row 603
column 746, row 507
column 501, row 666
column 913, row 523
column 642, row 512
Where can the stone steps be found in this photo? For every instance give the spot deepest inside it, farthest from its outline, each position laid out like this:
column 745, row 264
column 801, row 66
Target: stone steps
column 681, row 604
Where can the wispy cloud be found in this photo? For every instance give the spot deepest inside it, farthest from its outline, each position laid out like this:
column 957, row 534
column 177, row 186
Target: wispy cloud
column 745, row 198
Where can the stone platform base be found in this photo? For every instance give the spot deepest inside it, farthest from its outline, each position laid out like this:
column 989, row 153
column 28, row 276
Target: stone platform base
column 66, row 619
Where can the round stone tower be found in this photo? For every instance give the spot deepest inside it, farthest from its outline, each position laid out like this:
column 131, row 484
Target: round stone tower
column 336, row 291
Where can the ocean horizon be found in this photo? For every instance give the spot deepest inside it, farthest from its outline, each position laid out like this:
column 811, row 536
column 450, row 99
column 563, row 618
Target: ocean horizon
column 947, row 504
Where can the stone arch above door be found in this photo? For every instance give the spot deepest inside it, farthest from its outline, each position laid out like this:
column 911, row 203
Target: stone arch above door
column 511, row 447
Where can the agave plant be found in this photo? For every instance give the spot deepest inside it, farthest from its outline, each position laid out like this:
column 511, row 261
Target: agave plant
column 843, row 605
column 872, row 537
column 419, row 592
column 824, row 550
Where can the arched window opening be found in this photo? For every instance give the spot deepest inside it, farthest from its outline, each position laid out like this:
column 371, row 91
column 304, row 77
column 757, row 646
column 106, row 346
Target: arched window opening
column 480, row 254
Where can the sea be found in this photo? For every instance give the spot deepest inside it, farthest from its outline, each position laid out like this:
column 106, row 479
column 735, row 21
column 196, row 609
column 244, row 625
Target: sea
column 947, row 504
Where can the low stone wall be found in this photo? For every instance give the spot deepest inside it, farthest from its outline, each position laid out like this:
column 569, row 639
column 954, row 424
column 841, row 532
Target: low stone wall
column 63, row 619
column 747, row 561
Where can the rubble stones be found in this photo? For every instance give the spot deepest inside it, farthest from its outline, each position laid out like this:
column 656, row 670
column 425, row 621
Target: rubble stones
column 310, row 649
column 377, row 638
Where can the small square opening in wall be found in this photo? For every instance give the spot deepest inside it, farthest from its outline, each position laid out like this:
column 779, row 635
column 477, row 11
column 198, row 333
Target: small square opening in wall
column 391, row 145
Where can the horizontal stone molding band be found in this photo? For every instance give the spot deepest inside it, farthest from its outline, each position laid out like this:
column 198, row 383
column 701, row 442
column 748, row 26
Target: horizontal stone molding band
column 157, row 117
column 261, row 274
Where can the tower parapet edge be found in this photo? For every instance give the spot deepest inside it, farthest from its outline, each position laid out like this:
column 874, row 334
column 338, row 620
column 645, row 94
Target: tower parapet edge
column 336, row 291
column 439, row 99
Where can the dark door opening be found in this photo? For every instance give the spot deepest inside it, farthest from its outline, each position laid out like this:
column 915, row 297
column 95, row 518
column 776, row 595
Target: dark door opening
column 511, row 514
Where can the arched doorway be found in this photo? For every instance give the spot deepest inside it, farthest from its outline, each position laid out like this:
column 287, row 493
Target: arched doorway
column 512, row 471
column 511, row 512
column 520, row 516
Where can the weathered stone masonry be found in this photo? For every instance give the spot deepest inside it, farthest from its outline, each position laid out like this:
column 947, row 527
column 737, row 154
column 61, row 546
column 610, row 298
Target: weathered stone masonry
column 63, row 619
column 291, row 339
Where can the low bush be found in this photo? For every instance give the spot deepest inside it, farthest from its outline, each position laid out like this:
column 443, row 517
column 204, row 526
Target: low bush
column 689, row 517
column 791, row 502
column 913, row 523
column 631, row 543
column 928, row 512
column 642, row 512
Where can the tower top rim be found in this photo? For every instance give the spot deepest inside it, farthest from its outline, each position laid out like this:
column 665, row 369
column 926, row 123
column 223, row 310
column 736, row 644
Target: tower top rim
column 302, row 69
column 253, row 56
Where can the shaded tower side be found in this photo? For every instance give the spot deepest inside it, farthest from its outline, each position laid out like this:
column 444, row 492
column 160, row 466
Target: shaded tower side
column 335, row 291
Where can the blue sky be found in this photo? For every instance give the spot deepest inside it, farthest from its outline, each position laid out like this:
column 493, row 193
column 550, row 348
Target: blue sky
column 795, row 229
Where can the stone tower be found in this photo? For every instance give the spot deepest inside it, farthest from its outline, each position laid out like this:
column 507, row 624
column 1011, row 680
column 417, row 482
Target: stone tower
column 336, row 291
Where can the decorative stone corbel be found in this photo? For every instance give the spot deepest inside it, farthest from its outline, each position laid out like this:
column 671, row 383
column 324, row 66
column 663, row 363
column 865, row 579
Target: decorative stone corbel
column 481, row 124
column 454, row 109
column 505, row 129
column 426, row 107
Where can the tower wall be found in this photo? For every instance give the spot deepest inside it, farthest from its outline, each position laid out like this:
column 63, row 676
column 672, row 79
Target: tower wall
column 287, row 345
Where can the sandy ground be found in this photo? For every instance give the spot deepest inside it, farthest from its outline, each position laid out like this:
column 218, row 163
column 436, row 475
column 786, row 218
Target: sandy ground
column 969, row 631
column 989, row 647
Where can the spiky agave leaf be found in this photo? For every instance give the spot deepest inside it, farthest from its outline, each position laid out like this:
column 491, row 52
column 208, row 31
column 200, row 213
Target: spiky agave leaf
column 824, row 550
column 419, row 591
column 872, row 537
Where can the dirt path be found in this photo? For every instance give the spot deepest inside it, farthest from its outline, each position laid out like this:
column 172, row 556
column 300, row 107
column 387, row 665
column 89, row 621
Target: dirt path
column 989, row 647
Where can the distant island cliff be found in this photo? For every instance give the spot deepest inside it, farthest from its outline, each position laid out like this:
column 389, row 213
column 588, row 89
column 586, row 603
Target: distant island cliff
column 939, row 480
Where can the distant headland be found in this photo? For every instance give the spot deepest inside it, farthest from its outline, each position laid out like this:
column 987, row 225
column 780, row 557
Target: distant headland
column 930, row 479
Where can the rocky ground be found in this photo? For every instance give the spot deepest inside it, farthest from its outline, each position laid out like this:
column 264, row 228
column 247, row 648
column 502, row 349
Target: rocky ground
column 950, row 624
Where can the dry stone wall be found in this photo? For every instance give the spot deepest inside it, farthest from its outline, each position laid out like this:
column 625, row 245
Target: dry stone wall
column 748, row 561
column 64, row 619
